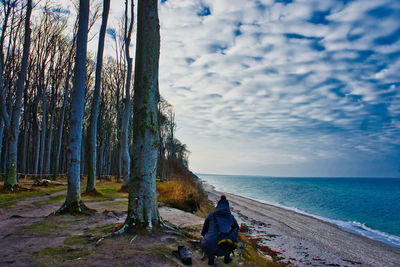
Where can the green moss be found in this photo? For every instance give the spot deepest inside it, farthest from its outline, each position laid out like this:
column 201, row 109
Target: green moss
column 160, row 249
column 54, row 199
column 11, row 179
column 76, row 240
column 107, row 191
column 100, row 231
column 56, row 256
column 7, row 203
column 46, row 225
column 94, row 198
column 10, row 198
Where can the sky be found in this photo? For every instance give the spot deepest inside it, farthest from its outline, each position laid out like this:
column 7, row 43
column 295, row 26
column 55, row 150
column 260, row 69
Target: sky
column 283, row 87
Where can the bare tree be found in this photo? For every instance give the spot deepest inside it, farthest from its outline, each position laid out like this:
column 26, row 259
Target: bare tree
column 13, row 124
column 142, row 207
column 73, row 202
column 92, row 133
column 125, row 158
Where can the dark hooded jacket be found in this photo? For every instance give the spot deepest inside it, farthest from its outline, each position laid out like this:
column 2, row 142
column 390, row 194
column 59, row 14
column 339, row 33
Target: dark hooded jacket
column 227, row 223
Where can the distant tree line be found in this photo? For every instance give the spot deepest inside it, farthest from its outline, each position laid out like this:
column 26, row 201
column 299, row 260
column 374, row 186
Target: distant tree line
column 36, row 79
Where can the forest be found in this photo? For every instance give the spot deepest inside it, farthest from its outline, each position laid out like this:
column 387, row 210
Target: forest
column 67, row 112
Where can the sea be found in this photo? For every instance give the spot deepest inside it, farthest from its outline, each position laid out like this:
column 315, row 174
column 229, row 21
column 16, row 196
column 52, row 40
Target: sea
column 365, row 206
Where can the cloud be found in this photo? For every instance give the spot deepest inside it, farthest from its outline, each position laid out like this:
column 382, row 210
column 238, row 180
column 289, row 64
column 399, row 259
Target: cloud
column 294, row 80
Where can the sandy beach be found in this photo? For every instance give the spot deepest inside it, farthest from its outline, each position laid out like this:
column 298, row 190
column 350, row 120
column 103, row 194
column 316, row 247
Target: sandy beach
column 303, row 240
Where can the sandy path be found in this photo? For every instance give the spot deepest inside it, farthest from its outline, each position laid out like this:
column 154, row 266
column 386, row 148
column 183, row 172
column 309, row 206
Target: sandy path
column 303, row 240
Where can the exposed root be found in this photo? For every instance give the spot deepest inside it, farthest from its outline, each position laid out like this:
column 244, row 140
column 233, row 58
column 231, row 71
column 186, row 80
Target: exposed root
column 75, row 208
column 121, row 231
column 166, row 225
column 132, row 228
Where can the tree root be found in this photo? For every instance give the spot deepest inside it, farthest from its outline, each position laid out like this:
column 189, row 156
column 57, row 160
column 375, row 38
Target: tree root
column 75, row 208
column 166, row 225
column 128, row 228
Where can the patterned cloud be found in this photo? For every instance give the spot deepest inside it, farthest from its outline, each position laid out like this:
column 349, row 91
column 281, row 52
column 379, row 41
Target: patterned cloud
column 290, row 88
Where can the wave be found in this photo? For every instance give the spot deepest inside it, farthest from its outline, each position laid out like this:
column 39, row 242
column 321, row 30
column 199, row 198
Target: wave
column 348, row 226
column 362, row 229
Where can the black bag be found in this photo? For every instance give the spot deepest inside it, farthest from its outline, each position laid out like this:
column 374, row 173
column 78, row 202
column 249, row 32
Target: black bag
column 224, row 240
column 184, row 255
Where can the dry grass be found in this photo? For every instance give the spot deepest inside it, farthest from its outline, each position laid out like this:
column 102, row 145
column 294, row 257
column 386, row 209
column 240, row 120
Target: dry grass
column 181, row 190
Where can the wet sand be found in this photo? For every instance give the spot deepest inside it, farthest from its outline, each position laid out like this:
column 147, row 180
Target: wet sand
column 303, row 240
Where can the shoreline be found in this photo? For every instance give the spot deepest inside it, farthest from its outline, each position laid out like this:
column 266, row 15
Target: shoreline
column 350, row 227
column 303, row 240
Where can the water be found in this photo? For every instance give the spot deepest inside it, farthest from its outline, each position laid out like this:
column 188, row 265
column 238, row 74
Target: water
column 366, row 206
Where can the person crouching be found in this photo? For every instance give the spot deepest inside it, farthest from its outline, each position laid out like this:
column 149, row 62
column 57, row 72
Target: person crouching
column 220, row 231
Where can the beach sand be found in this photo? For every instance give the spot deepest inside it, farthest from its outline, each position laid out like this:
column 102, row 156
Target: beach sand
column 303, row 240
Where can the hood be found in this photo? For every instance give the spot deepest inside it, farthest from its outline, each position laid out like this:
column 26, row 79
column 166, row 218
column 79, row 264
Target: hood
column 223, row 207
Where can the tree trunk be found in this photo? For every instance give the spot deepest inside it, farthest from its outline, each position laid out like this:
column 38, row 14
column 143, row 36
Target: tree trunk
column 125, row 158
column 61, row 127
column 49, row 145
column 26, row 133
column 43, row 131
column 36, row 138
column 142, row 207
column 1, row 138
column 83, row 160
column 4, row 153
column 92, row 133
column 11, row 179
column 109, row 160
column 101, row 158
column 73, row 202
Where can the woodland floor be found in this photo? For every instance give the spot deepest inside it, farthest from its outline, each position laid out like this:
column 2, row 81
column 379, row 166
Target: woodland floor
column 31, row 235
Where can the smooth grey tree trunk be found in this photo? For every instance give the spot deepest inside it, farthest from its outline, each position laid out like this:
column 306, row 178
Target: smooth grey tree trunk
column 83, row 159
column 36, row 138
column 43, row 132
column 100, row 163
column 49, row 146
column 5, row 153
column 92, row 133
column 142, row 207
column 26, row 132
column 11, row 178
column 1, row 141
column 2, row 102
column 73, row 202
column 125, row 158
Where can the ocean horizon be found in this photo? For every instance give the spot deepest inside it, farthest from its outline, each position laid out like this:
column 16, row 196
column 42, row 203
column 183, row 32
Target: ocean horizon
column 366, row 206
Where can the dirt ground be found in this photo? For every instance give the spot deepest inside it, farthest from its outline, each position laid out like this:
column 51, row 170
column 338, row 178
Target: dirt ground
column 30, row 235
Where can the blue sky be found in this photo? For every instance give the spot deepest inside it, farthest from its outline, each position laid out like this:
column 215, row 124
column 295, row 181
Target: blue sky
column 284, row 87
